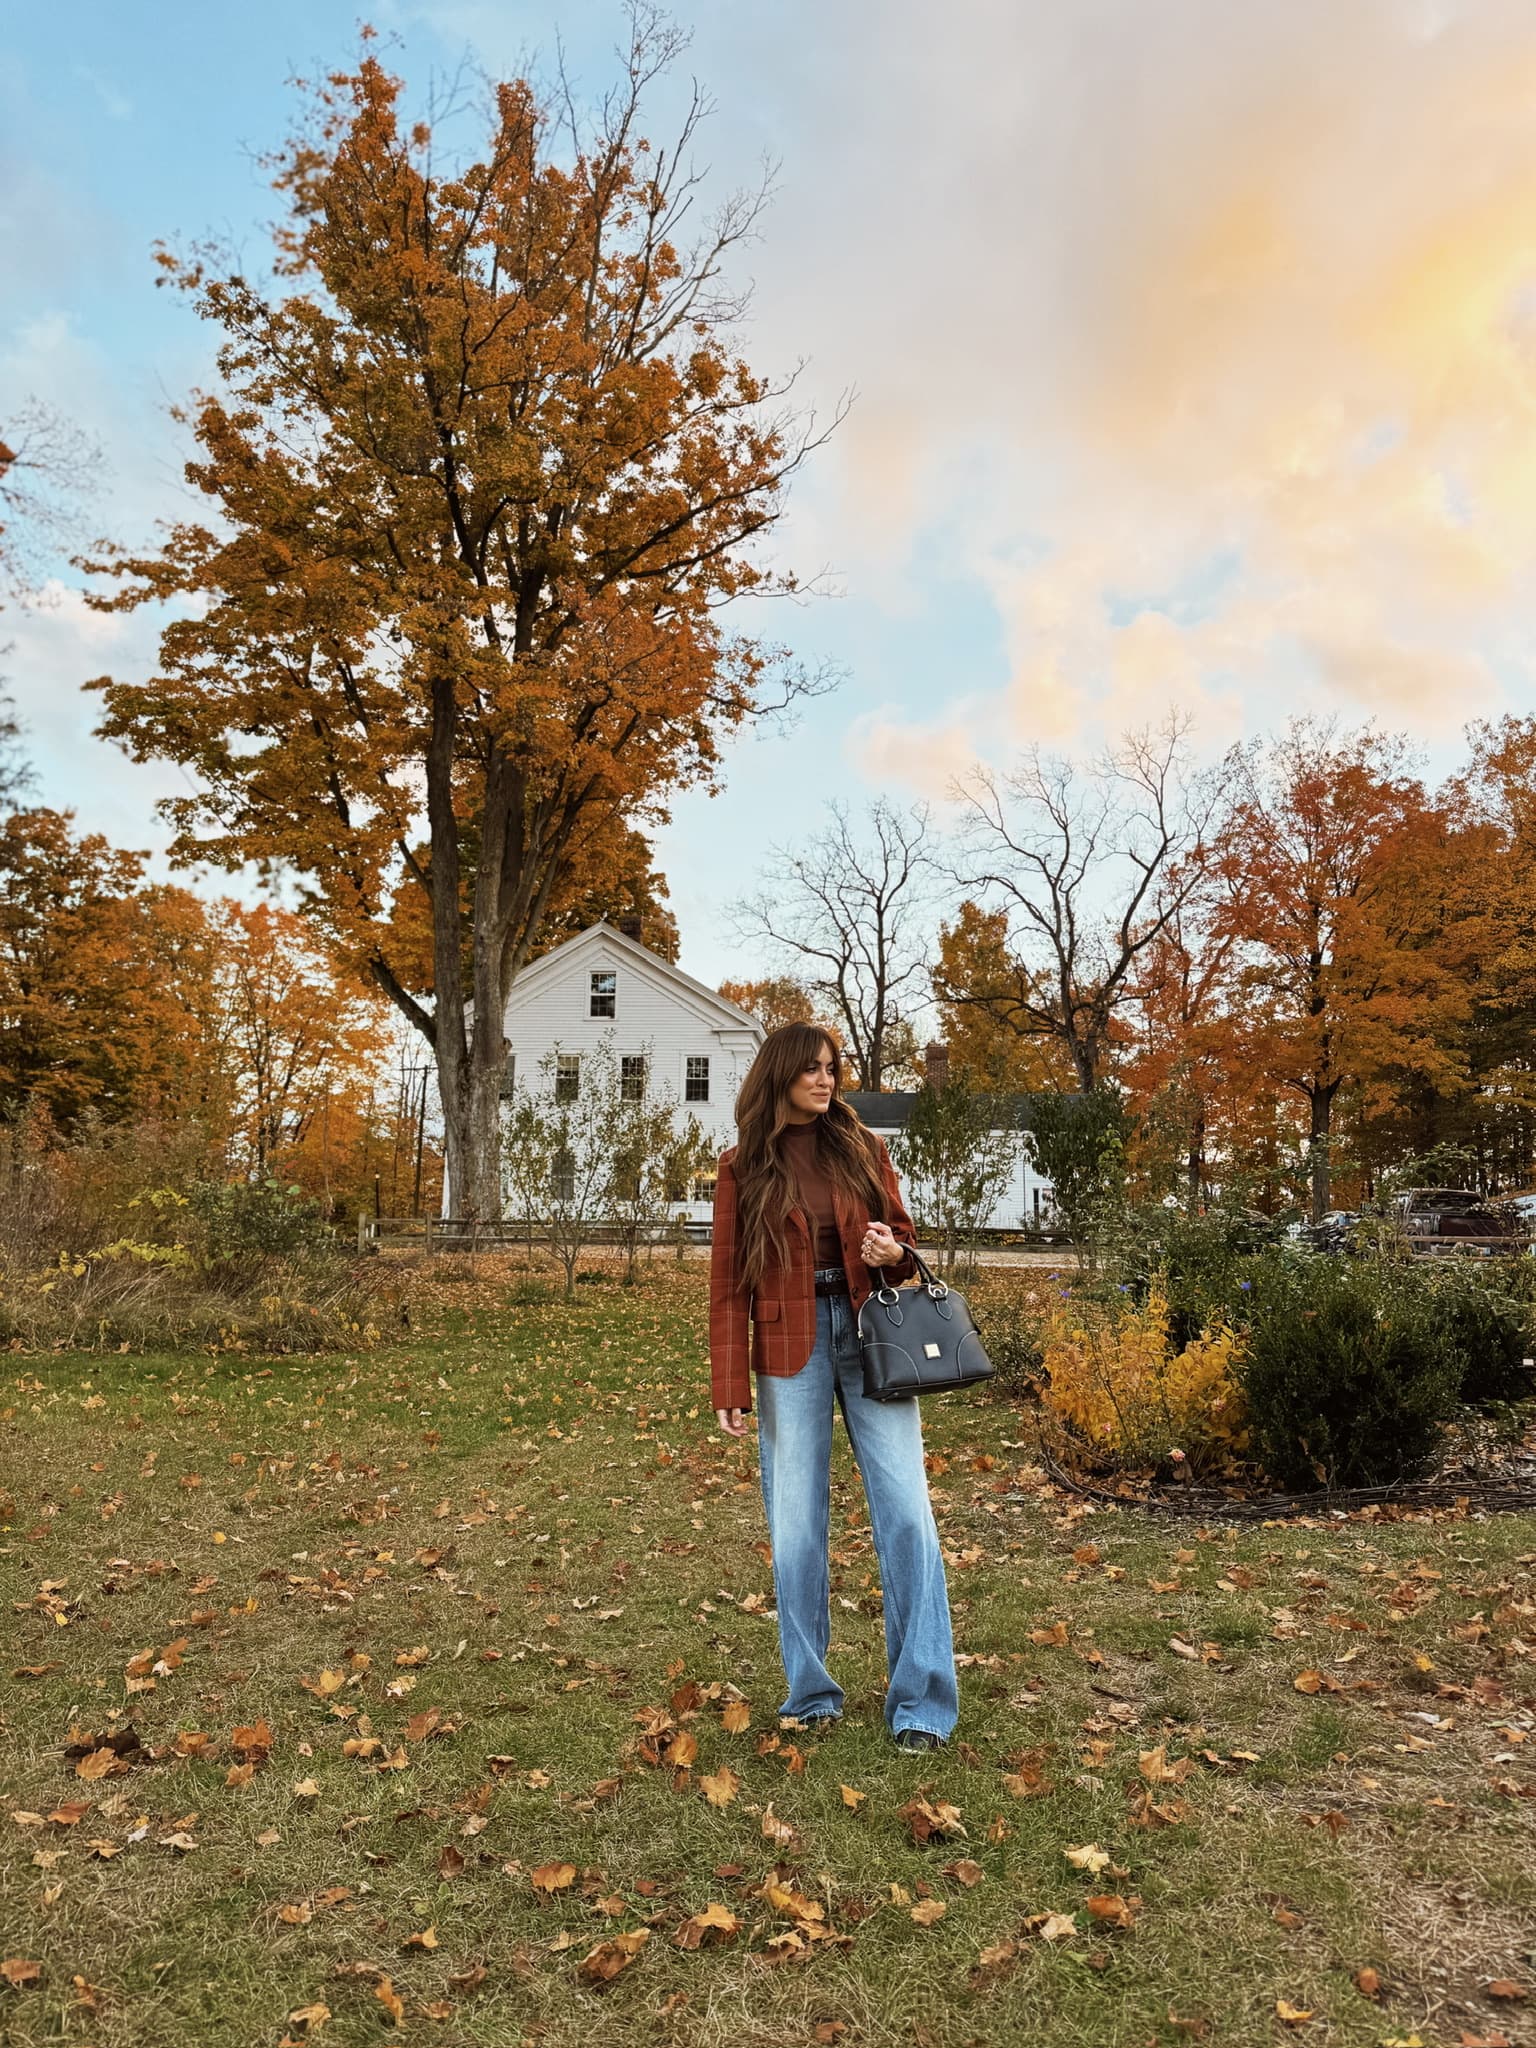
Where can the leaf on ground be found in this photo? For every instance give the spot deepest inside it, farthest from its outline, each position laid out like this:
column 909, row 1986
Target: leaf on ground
column 1110, row 1910
column 720, row 1787
column 393, row 2004
column 603, row 1963
column 1368, row 1982
column 928, row 1912
column 931, row 1821
column 1506, row 1988
column 1156, row 1769
column 736, row 1717
column 553, row 1877
column 852, row 1799
column 776, row 1830
column 17, row 1970
column 1056, row 1926
column 715, row 1924
column 101, row 1763
column 1090, row 1857
column 1292, row 2015
column 965, row 1872
column 1312, row 1681
column 427, row 1939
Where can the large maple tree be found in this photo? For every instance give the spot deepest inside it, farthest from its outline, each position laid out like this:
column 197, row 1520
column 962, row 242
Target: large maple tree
column 485, row 469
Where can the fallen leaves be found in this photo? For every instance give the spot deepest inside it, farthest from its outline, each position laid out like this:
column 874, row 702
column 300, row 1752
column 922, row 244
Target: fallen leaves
column 928, row 1912
column 714, row 1925
column 602, row 1964
column 552, row 1877
column 931, row 1821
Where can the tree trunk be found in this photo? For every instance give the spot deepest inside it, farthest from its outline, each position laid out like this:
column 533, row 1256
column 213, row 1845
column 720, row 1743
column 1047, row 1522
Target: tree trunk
column 1196, row 1167
column 1318, row 1139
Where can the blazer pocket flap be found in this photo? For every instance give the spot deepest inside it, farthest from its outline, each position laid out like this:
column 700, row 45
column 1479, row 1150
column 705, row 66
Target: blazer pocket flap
column 765, row 1311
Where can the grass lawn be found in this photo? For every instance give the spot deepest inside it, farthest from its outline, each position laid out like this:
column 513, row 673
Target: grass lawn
column 451, row 1676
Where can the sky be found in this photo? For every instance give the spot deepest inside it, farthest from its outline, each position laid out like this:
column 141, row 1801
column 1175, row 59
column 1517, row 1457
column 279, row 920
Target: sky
column 1192, row 351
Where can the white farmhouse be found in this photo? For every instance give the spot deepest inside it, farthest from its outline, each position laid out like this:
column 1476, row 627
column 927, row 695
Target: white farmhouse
column 669, row 1031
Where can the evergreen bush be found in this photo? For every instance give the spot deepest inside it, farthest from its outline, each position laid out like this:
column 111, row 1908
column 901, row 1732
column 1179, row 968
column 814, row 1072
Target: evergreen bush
column 1348, row 1369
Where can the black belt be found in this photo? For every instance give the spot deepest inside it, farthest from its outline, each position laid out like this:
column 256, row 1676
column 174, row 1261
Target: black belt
column 831, row 1280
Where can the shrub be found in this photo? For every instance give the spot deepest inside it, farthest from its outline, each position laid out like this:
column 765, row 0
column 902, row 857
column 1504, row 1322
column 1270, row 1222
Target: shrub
column 237, row 1229
column 1348, row 1372
column 1010, row 1315
column 1199, row 1263
column 1485, row 1324
column 1124, row 1390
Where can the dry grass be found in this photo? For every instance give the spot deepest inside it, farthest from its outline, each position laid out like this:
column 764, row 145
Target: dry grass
column 529, row 1497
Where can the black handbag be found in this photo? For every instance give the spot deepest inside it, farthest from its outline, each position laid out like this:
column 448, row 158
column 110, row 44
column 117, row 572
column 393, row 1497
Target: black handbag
column 919, row 1340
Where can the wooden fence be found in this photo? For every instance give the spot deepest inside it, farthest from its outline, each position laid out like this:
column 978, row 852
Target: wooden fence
column 465, row 1234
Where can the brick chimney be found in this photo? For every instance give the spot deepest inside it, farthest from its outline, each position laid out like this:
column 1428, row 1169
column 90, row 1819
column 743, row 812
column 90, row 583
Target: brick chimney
column 630, row 927
column 936, row 1065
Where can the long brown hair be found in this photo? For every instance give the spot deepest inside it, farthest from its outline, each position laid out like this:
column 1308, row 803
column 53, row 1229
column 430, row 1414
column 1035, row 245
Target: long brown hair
column 845, row 1150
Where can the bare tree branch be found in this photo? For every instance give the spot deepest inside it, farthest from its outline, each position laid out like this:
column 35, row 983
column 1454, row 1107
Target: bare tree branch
column 850, row 913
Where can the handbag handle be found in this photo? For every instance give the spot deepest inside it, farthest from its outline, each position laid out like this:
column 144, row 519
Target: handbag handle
column 937, row 1288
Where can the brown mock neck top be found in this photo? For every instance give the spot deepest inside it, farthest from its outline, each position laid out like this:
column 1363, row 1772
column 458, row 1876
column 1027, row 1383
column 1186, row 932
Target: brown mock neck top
column 815, row 1192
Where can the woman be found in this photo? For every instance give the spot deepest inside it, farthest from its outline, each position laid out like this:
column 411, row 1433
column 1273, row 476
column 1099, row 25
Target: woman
column 805, row 1202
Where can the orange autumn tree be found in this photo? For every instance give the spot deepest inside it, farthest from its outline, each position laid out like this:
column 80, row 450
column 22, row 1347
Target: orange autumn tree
column 1176, row 1064
column 773, row 1000
column 301, row 1046
column 100, row 980
column 982, row 987
column 1331, row 861
column 486, row 470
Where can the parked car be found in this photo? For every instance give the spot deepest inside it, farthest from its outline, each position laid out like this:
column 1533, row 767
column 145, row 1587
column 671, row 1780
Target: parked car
column 1458, row 1223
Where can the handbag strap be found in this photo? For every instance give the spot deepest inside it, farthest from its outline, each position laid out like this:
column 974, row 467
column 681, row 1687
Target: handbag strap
column 939, row 1287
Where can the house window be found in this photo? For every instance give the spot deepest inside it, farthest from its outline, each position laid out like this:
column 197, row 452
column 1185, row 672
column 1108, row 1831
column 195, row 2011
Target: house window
column 704, row 1188
column 632, row 1077
column 567, row 1076
column 563, row 1180
column 696, row 1079
column 604, row 994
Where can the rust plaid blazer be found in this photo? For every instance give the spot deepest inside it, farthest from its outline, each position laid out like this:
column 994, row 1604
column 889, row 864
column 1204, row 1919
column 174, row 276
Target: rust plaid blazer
column 782, row 1309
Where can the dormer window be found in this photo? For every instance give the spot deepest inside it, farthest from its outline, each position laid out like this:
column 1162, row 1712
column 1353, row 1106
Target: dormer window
column 604, row 994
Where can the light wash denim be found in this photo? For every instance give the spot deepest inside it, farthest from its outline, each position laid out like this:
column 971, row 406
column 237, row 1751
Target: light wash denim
column 794, row 1425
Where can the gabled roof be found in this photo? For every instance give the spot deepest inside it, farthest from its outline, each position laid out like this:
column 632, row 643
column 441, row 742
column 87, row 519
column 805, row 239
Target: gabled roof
column 889, row 1109
column 719, row 1012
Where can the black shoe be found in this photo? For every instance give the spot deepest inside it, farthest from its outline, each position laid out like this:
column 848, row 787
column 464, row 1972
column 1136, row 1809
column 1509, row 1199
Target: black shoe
column 918, row 1738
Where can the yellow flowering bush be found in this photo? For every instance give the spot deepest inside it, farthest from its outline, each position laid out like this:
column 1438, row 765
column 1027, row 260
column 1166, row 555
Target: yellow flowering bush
column 1120, row 1390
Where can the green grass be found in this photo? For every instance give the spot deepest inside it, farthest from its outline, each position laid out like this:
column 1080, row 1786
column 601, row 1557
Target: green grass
column 532, row 1499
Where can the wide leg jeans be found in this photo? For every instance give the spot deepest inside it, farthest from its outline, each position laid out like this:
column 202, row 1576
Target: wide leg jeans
column 794, row 1419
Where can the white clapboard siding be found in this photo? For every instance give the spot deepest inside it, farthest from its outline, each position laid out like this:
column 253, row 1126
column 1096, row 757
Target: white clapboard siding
column 658, row 1010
